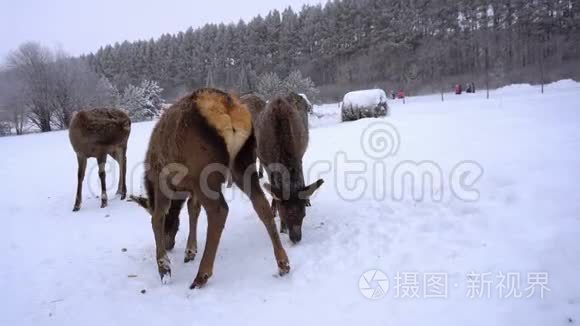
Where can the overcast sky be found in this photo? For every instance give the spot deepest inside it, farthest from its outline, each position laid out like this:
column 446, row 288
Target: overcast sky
column 82, row 26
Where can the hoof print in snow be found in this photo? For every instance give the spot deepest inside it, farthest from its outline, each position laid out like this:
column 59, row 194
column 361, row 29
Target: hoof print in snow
column 124, row 250
column 143, row 291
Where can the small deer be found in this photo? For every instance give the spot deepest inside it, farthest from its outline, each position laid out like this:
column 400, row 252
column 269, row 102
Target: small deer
column 282, row 136
column 98, row 133
column 196, row 143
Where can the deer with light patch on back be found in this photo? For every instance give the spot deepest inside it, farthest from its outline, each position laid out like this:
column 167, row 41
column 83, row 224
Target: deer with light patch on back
column 203, row 138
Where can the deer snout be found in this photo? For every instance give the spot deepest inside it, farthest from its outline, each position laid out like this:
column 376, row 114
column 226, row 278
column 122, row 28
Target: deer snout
column 296, row 234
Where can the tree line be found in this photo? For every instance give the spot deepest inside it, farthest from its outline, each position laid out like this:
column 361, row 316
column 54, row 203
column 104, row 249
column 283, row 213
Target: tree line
column 407, row 44
column 413, row 45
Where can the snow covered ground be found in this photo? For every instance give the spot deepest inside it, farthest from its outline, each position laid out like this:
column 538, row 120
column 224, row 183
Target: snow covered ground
column 469, row 253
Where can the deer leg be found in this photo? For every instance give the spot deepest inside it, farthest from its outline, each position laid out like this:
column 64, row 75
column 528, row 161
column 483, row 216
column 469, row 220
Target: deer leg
column 121, row 157
column 82, row 162
column 274, row 206
column 283, row 226
column 261, row 171
column 264, row 211
column 172, row 222
column 193, row 209
column 102, row 160
column 124, row 172
column 158, row 223
column 217, row 212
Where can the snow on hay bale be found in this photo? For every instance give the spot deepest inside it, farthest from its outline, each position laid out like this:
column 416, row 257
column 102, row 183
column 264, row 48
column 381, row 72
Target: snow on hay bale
column 370, row 103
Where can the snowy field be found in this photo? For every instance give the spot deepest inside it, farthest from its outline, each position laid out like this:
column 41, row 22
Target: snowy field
column 497, row 242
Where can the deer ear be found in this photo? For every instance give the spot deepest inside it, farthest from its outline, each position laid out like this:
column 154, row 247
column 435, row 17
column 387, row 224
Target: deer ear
column 273, row 191
column 307, row 192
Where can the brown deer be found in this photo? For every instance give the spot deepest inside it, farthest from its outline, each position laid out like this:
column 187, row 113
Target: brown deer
column 282, row 136
column 197, row 142
column 98, row 133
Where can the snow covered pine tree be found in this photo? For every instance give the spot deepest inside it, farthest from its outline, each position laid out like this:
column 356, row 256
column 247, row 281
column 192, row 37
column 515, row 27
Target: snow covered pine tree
column 142, row 102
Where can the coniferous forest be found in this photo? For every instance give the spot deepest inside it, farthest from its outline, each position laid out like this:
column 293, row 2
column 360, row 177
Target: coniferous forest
column 416, row 45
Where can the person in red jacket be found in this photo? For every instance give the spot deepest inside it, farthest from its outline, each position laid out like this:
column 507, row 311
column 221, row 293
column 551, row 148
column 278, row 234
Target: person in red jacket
column 458, row 89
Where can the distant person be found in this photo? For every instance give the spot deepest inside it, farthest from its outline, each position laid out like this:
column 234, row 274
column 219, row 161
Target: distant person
column 469, row 89
column 401, row 95
column 458, row 89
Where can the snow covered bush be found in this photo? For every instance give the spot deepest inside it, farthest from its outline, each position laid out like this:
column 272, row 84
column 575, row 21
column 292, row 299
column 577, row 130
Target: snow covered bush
column 270, row 85
column 300, row 85
column 143, row 102
column 370, row 103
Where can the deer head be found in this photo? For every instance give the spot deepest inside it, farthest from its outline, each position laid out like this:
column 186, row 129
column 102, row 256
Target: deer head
column 292, row 206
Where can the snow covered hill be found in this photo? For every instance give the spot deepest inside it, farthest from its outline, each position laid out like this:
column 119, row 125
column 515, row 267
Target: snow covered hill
column 494, row 240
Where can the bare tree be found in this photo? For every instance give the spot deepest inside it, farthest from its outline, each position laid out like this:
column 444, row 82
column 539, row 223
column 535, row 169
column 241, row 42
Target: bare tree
column 12, row 104
column 74, row 88
column 106, row 94
column 51, row 86
column 31, row 63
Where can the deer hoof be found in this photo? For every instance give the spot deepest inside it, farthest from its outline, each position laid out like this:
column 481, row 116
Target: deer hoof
column 199, row 281
column 165, row 277
column 189, row 255
column 283, row 267
column 164, row 267
column 76, row 208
